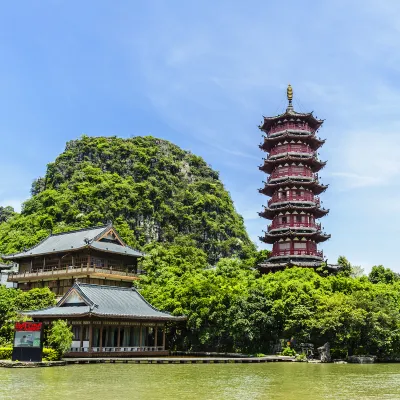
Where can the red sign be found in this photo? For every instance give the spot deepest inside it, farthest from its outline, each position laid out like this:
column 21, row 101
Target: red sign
column 28, row 326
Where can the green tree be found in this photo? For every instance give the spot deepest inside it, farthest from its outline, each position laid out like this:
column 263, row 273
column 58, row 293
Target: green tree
column 13, row 301
column 380, row 274
column 59, row 336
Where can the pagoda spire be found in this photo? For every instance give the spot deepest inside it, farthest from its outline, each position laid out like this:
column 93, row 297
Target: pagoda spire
column 289, row 94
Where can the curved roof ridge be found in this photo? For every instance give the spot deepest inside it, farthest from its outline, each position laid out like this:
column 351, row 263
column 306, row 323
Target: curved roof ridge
column 79, row 230
column 154, row 308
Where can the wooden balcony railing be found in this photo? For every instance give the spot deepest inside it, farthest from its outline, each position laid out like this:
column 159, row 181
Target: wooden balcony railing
column 307, row 197
column 297, row 252
column 276, row 225
column 292, row 171
column 71, row 270
column 290, row 126
column 288, row 148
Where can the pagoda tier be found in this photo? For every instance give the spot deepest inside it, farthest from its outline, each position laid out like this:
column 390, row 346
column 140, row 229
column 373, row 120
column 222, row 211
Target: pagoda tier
column 272, row 237
column 288, row 136
column 291, row 119
column 280, row 265
column 293, row 185
column 270, row 188
column 269, row 213
column 310, row 160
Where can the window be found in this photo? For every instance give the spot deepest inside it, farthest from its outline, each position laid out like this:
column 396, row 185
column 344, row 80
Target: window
column 300, row 246
column 284, row 246
column 298, row 218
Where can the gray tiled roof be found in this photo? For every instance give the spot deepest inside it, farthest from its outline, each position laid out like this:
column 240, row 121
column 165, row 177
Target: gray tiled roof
column 106, row 301
column 5, row 266
column 115, row 248
column 74, row 240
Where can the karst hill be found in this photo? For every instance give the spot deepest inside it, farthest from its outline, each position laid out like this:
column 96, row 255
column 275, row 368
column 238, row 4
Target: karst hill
column 150, row 188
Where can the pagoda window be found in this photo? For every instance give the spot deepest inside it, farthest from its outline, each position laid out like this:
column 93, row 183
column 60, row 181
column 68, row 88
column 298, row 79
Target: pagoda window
column 300, row 245
column 283, row 220
column 298, row 218
column 284, row 246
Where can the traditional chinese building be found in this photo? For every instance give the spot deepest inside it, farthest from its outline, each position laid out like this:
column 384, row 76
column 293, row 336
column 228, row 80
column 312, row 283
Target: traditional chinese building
column 109, row 321
column 94, row 255
column 294, row 207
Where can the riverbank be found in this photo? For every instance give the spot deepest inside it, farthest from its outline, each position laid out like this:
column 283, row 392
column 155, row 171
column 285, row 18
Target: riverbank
column 23, row 364
column 181, row 360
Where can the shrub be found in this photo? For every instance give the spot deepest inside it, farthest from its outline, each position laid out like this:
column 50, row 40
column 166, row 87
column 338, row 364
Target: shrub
column 60, row 336
column 288, row 351
column 301, row 357
column 5, row 353
column 50, row 354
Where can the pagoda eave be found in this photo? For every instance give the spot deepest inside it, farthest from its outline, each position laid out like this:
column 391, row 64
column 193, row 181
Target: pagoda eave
column 270, row 188
column 270, row 266
column 269, row 142
column 270, row 213
column 316, row 236
column 269, row 164
column 291, row 114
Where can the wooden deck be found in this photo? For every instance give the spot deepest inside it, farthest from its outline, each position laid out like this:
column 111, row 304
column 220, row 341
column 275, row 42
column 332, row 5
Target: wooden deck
column 179, row 360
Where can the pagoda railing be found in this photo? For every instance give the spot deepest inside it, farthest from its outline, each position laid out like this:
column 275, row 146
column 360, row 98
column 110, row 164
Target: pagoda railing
column 290, row 126
column 306, row 197
column 287, row 148
column 297, row 252
column 293, row 172
column 278, row 225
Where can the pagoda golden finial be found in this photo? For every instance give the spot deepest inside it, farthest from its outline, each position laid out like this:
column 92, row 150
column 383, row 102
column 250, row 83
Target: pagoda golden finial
column 289, row 93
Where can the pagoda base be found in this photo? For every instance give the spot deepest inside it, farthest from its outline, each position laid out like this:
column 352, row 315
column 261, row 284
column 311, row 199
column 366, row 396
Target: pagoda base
column 281, row 264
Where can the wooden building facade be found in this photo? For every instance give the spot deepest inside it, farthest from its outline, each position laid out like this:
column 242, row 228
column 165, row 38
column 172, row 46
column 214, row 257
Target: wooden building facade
column 109, row 321
column 94, row 255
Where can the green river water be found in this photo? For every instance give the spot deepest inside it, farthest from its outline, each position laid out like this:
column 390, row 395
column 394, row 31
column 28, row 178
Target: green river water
column 203, row 381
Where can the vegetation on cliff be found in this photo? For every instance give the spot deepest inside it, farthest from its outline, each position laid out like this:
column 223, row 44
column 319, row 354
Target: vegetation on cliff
column 151, row 189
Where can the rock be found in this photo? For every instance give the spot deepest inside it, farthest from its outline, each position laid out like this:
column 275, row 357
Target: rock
column 325, row 353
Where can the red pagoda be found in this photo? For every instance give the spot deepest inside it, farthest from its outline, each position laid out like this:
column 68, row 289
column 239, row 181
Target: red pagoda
column 293, row 185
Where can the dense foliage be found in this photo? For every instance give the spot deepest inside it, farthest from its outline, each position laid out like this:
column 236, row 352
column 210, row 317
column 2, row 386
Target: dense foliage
column 12, row 301
column 232, row 308
column 151, row 189
column 48, row 354
column 59, row 337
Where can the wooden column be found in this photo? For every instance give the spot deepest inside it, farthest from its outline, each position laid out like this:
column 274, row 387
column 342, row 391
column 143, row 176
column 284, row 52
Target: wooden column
column 155, row 336
column 31, row 265
column 81, row 336
column 119, row 336
column 88, row 262
column 163, row 338
column 140, row 336
column 101, row 337
column 90, row 337
column 73, row 261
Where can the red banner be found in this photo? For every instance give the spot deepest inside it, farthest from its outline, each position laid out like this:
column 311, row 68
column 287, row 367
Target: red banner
column 28, row 326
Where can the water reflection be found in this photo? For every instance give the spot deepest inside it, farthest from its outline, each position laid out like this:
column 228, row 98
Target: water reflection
column 204, row 381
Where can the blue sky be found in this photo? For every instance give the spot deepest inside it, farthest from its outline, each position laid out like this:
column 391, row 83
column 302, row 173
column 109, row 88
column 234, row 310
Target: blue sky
column 202, row 74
